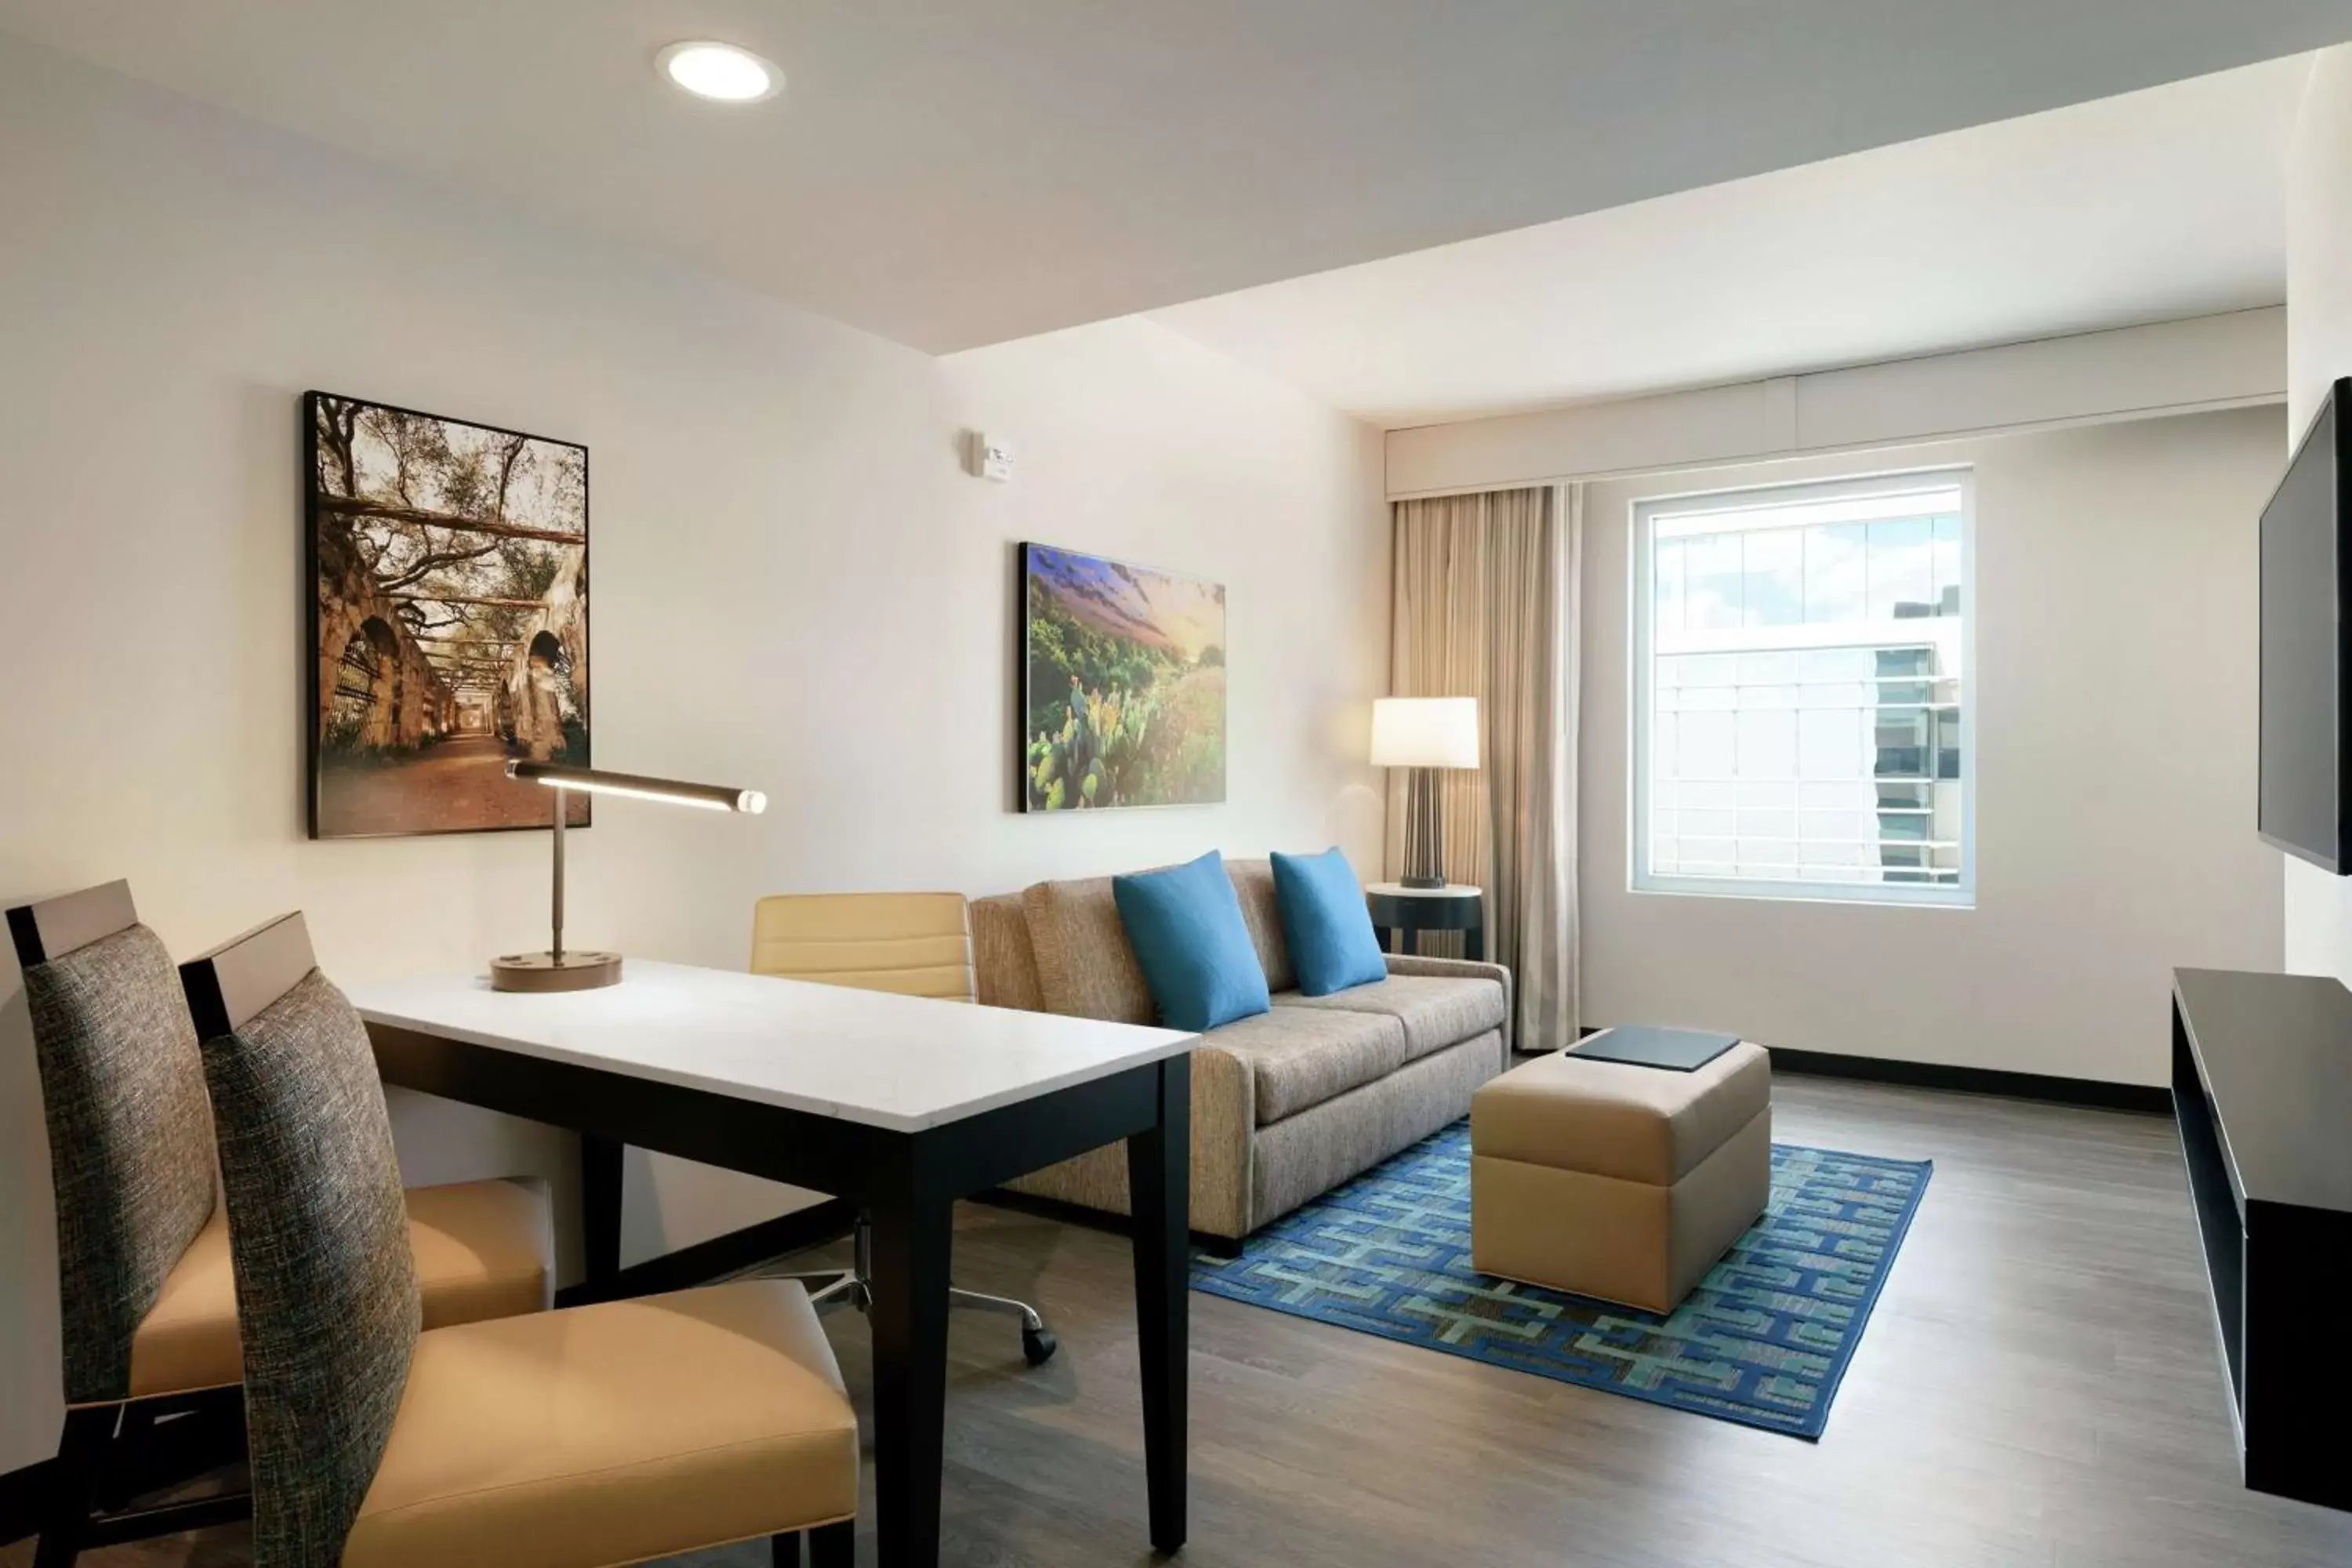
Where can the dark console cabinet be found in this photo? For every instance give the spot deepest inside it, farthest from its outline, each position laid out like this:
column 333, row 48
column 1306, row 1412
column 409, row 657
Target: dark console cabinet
column 2262, row 1084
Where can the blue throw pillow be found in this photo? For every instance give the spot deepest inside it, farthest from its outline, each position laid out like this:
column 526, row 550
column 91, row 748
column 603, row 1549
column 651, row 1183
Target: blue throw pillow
column 1185, row 925
column 1326, row 923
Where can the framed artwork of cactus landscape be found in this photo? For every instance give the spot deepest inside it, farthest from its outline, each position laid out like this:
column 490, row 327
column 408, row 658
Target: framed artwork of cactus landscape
column 1122, row 684
column 448, row 626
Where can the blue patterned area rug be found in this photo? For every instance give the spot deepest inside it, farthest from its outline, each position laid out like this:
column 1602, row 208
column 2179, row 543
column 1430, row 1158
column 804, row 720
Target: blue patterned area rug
column 1762, row 1340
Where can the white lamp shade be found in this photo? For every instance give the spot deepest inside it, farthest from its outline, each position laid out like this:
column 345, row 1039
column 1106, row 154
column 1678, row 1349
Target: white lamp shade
column 1425, row 732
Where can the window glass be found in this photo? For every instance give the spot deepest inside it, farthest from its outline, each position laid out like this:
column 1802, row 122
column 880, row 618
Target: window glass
column 1801, row 719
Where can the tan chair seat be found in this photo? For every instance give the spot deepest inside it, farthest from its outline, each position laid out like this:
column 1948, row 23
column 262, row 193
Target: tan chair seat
column 1436, row 1010
column 613, row 1434
column 484, row 1249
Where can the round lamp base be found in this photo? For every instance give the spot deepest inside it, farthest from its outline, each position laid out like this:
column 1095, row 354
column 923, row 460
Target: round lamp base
column 545, row 971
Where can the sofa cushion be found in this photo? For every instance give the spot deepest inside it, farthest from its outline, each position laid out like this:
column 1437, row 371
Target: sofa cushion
column 1084, row 968
column 1326, row 923
column 1262, row 913
column 1301, row 1057
column 1185, row 926
column 1435, row 1011
column 1311, row 1153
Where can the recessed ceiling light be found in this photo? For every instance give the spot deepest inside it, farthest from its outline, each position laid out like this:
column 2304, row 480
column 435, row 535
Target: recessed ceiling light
column 720, row 72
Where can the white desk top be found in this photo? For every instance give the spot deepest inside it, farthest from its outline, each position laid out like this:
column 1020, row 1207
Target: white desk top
column 1399, row 891
column 904, row 1063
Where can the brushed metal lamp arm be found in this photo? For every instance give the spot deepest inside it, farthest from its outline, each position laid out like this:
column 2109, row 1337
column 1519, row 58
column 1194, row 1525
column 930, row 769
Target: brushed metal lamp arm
column 557, row 969
column 563, row 810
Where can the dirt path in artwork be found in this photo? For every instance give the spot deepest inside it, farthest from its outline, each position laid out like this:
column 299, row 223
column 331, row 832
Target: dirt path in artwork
column 453, row 786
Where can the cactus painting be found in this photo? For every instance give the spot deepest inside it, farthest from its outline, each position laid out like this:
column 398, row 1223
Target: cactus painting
column 1123, row 684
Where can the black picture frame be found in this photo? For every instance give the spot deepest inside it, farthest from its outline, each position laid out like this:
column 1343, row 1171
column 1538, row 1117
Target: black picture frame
column 574, row 652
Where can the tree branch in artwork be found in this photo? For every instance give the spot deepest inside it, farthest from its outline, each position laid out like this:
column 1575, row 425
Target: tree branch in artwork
column 434, row 561
column 348, row 506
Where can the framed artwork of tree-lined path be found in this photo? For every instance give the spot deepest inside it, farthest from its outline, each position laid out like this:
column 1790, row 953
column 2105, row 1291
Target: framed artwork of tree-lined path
column 1123, row 684
column 449, row 570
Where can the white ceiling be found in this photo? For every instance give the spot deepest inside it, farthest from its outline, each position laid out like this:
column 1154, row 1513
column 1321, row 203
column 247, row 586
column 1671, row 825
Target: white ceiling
column 2165, row 203
column 950, row 173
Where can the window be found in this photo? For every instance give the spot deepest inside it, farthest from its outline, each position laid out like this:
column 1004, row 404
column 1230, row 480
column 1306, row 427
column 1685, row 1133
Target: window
column 1801, row 727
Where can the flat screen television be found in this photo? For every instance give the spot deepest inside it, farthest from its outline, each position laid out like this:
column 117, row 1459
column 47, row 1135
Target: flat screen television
column 2308, row 646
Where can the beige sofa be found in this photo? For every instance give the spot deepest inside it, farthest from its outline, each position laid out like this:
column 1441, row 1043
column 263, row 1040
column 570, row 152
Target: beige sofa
column 1285, row 1105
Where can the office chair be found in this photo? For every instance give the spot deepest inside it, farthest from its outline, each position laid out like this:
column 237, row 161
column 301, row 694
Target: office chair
column 917, row 944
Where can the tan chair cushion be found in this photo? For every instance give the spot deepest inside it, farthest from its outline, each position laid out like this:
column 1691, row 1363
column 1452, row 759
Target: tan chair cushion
column 483, row 1250
column 188, row 1338
column 1084, row 968
column 1302, row 1056
column 1253, row 883
column 613, row 1434
column 917, row 944
column 1436, row 1012
column 1615, row 1119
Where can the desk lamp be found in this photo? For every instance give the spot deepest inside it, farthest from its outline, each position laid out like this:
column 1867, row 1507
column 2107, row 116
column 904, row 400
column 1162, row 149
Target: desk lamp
column 557, row 970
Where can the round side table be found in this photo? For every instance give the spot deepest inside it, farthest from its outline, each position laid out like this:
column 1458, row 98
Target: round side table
column 1401, row 913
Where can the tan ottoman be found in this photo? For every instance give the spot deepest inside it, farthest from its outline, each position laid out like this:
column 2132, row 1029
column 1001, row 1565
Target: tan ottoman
column 1615, row 1181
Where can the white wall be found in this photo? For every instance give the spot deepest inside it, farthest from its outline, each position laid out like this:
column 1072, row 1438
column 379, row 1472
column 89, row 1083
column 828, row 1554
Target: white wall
column 2114, row 682
column 2130, row 372
column 2319, row 350
column 796, row 588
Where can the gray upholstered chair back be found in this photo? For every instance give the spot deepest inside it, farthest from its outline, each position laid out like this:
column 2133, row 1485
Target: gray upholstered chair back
column 130, row 1137
column 326, row 1290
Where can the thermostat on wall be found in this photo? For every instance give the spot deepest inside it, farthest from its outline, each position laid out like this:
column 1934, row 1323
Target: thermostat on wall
column 988, row 456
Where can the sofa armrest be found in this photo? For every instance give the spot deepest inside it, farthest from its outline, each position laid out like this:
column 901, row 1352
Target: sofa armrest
column 1462, row 969
column 1224, row 1105
column 1224, row 1116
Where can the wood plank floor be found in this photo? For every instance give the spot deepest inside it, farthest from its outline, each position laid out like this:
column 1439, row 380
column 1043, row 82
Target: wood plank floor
column 2039, row 1386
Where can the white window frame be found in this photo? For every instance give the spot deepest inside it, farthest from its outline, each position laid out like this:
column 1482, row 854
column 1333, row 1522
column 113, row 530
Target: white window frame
column 1643, row 515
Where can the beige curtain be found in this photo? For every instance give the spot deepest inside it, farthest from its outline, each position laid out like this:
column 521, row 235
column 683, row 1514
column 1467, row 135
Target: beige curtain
column 1485, row 590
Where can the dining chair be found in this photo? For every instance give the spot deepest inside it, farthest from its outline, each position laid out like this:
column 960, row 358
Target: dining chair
column 918, row 944
column 576, row 1438
column 147, row 1299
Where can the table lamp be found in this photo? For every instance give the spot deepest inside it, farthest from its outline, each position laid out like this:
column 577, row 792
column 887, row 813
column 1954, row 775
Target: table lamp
column 557, row 970
column 1424, row 733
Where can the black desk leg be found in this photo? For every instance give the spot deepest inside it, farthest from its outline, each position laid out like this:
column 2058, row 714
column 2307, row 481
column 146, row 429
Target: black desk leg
column 1473, row 944
column 1160, row 1179
column 600, row 1212
column 913, row 1233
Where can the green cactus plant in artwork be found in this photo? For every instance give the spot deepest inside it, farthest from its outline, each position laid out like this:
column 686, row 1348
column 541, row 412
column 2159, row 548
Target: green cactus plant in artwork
column 1125, row 686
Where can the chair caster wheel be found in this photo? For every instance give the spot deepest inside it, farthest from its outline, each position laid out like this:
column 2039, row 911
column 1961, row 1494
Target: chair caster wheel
column 1038, row 1345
